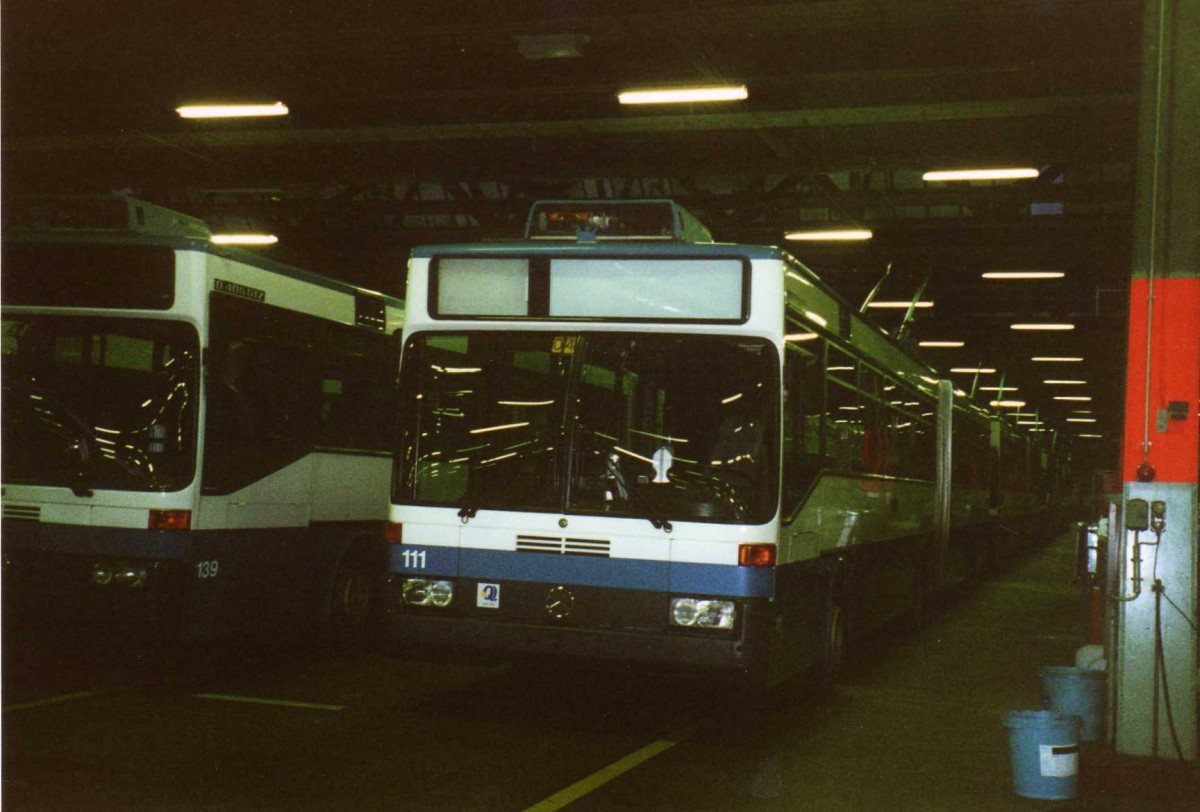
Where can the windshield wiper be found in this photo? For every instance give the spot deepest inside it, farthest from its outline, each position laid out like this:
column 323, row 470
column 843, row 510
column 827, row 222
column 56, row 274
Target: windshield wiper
column 467, row 513
column 660, row 524
column 79, row 487
column 82, row 440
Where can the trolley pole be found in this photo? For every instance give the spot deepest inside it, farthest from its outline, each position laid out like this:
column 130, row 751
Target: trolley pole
column 1154, row 665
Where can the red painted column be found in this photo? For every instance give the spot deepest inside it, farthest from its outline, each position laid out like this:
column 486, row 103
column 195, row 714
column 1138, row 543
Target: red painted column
column 1168, row 326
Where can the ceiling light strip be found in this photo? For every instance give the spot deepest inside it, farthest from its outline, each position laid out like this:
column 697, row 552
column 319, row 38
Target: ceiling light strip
column 244, row 239
column 886, row 305
column 232, row 110
column 1023, row 275
column 1014, row 173
column 831, row 235
column 683, row 95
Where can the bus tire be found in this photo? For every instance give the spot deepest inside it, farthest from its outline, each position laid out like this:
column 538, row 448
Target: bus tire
column 833, row 656
column 354, row 602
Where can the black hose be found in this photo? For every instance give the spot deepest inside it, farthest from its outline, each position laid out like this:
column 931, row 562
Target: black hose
column 1161, row 662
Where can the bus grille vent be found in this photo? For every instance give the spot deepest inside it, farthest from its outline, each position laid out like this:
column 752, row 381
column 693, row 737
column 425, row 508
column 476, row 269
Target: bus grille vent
column 24, row 513
column 563, row 546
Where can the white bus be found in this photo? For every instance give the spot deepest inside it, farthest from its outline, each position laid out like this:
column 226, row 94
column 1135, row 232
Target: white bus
column 194, row 437
column 622, row 440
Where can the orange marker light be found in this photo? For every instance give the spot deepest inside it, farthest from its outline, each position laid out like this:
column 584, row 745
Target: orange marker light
column 393, row 533
column 170, row 520
column 756, row 555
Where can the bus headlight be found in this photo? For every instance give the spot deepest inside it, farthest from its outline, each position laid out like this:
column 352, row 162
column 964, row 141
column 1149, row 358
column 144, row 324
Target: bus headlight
column 129, row 574
column 424, row 592
column 702, row 613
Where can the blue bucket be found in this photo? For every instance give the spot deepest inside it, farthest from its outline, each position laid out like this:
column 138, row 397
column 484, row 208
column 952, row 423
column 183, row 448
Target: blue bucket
column 1044, row 749
column 1076, row 691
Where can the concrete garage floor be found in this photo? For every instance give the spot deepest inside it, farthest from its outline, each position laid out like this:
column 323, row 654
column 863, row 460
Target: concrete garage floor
column 917, row 723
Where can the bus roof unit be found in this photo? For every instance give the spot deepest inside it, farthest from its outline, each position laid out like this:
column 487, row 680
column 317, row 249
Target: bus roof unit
column 100, row 213
column 591, row 220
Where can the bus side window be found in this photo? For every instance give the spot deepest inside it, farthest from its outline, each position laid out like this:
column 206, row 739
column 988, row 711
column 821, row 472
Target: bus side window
column 264, row 391
column 843, row 412
column 357, row 397
column 874, row 455
column 803, row 375
column 912, row 430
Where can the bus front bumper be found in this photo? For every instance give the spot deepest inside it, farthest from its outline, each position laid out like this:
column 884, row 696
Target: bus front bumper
column 626, row 626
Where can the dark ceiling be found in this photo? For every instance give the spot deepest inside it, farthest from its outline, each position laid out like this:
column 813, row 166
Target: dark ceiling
column 414, row 122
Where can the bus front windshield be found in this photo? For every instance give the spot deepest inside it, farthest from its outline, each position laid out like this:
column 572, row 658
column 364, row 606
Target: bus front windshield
column 95, row 402
column 662, row 427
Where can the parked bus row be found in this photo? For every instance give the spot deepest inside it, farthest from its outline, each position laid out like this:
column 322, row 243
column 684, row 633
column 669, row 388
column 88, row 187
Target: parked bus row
column 615, row 439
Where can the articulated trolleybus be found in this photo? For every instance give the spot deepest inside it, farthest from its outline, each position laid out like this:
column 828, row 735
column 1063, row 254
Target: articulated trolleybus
column 621, row 440
column 192, row 433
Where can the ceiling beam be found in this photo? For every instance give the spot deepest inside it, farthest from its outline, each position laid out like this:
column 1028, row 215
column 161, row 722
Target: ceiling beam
column 1050, row 106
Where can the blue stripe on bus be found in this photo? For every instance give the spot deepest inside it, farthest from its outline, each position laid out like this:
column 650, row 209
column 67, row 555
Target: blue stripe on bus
column 619, row 573
column 723, row 579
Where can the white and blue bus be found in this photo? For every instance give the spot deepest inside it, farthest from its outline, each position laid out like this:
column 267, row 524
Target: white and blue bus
column 194, row 437
column 621, row 440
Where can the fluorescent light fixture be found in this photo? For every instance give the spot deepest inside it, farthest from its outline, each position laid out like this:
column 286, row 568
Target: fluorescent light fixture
column 244, row 239
column 1081, row 420
column 1023, row 275
column 503, row 427
column 231, row 110
column 941, row 344
column 1008, row 404
column 1093, row 436
column 816, row 317
column 1042, row 326
column 1029, row 422
column 677, row 95
column 925, row 303
column 997, row 389
column 1056, row 359
column 1062, row 382
column 973, row 370
column 800, row 337
column 1074, row 398
column 830, row 235
column 1020, row 173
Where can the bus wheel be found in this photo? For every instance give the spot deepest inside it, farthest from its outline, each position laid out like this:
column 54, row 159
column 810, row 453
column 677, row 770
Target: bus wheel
column 353, row 608
column 833, row 657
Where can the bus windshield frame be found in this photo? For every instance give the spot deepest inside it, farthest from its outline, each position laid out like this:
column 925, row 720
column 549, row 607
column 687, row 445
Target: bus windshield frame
column 661, row 426
column 99, row 402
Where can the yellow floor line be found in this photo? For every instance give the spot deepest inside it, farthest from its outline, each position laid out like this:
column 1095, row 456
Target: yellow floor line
column 285, row 703
column 53, row 700
column 601, row 777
